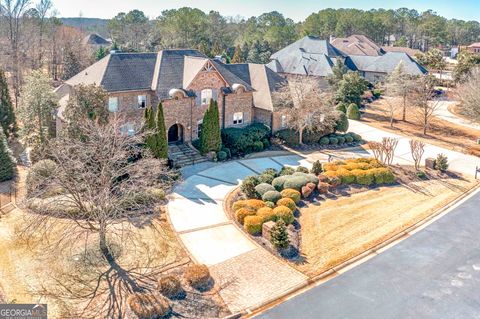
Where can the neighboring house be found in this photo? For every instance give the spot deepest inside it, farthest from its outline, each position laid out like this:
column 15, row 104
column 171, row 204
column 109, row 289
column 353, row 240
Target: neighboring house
column 316, row 57
column 474, row 48
column 184, row 81
column 96, row 41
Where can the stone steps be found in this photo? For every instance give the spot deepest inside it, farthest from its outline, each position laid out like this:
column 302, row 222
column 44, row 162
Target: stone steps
column 183, row 155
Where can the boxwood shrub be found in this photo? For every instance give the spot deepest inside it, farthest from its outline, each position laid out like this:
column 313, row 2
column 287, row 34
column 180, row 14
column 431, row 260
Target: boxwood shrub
column 262, row 188
column 253, row 224
column 272, row 196
column 324, row 141
column 241, row 213
column 287, row 202
column 267, row 214
column 292, row 194
column 286, row 170
column 333, row 141
column 284, row 213
column 296, row 182
column 278, row 182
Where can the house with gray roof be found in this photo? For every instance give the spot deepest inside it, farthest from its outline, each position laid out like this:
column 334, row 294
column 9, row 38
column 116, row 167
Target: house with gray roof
column 313, row 56
column 184, row 81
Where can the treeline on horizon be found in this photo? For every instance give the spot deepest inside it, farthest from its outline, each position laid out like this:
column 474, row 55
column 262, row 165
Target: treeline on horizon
column 215, row 34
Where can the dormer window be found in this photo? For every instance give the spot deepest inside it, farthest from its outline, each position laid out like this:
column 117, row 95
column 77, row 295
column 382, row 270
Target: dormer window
column 206, row 96
column 142, row 101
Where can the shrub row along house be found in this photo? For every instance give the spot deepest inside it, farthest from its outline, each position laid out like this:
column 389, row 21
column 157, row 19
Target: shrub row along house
column 184, row 81
column 313, row 56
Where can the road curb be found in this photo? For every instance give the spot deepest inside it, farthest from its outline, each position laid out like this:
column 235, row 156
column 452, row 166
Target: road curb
column 366, row 255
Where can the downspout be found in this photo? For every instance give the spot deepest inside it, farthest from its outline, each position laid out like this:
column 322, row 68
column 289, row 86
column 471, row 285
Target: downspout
column 191, row 119
column 223, row 111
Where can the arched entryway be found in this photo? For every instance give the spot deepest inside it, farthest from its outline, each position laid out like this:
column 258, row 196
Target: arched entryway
column 175, row 133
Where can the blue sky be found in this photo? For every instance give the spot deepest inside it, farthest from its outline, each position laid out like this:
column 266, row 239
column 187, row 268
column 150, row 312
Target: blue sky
column 295, row 9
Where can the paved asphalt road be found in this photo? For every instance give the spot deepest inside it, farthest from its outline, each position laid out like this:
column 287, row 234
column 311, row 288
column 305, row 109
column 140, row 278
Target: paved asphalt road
column 433, row 274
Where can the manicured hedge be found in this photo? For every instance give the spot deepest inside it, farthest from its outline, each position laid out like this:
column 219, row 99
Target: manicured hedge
column 284, row 213
column 245, row 140
column 272, row 196
column 290, row 203
column 253, row 224
column 363, row 171
column 264, row 188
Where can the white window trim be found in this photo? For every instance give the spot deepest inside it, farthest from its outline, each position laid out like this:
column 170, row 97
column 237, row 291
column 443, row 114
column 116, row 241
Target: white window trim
column 206, row 95
column 140, row 99
column 110, row 104
column 238, row 118
column 283, row 121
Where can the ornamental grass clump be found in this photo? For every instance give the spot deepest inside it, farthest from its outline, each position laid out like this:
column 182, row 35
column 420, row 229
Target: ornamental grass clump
column 148, row 305
column 198, row 277
column 170, row 286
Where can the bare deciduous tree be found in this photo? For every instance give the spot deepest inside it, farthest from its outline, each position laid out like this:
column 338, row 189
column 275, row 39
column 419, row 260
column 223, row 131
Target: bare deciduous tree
column 469, row 95
column 417, row 148
column 305, row 105
column 13, row 11
column 100, row 188
column 425, row 101
column 384, row 151
column 389, row 144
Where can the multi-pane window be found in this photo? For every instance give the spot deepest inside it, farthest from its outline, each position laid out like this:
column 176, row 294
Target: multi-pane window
column 113, row 104
column 206, row 96
column 238, row 118
column 142, row 101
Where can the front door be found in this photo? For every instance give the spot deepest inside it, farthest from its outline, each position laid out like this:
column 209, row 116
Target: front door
column 175, row 133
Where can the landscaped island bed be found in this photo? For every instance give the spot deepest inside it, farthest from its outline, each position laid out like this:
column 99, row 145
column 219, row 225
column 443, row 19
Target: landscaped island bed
column 348, row 208
column 335, row 230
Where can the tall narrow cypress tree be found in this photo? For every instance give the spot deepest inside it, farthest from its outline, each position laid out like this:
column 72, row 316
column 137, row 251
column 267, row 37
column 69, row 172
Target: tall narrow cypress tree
column 161, row 135
column 210, row 139
column 7, row 163
column 7, row 116
column 150, row 126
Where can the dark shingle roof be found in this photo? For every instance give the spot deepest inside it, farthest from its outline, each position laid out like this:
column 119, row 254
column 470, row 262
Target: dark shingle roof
column 231, row 77
column 95, row 39
column 171, row 70
column 275, row 81
column 129, row 71
column 387, row 63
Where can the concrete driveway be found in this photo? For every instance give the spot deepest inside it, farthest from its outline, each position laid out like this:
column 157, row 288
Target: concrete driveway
column 443, row 113
column 433, row 274
column 459, row 162
column 247, row 274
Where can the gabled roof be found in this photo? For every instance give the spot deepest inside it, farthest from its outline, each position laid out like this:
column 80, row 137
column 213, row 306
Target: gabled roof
column 386, row 63
column 129, row 71
column 175, row 69
column 357, row 45
column 409, row 51
column 95, row 39
column 316, row 57
column 307, row 56
column 474, row 45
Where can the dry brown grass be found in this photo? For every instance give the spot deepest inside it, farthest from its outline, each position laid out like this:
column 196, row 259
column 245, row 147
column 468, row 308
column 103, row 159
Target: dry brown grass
column 442, row 133
column 337, row 230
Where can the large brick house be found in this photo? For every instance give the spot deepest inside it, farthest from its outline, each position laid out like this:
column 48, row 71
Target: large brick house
column 313, row 56
column 184, row 81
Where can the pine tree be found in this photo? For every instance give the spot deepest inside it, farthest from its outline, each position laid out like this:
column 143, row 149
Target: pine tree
column 254, row 53
column 237, row 56
column 210, row 139
column 279, row 235
column 7, row 117
column 161, row 134
column 71, row 64
column 7, row 163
